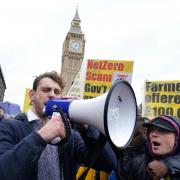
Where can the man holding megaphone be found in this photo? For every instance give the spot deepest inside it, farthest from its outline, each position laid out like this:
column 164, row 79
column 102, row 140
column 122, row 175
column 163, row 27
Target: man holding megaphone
column 27, row 150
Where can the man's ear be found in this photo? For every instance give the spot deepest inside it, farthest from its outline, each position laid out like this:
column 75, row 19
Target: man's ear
column 32, row 95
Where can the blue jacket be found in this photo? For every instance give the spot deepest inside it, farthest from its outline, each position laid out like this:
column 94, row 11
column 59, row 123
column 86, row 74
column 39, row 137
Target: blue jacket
column 21, row 146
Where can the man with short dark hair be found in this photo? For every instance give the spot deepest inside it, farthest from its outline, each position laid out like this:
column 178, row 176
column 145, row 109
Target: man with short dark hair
column 26, row 152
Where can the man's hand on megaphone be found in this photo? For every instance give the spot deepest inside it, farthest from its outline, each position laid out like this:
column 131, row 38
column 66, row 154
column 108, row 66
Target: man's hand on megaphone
column 52, row 129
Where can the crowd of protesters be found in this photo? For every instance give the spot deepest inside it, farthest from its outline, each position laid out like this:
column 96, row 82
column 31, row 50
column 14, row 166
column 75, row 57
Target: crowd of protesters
column 27, row 151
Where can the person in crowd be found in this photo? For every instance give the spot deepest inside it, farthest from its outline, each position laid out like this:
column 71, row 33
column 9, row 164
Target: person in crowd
column 26, row 151
column 158, row 156
column 133, row 150
column 89, row 133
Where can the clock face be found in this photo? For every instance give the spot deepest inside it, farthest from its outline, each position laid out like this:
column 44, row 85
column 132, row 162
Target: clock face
column 76, row 45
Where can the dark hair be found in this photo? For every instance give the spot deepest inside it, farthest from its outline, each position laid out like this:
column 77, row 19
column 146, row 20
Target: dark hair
column 52, row 75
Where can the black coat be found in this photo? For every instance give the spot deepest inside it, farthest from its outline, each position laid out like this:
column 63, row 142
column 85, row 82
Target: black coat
column 134, row 167
column 21, row 146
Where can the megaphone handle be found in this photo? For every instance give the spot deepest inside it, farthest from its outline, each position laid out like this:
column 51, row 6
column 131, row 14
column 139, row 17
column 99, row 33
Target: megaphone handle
column 99, row 145
column 66, row 124
column 58, row 141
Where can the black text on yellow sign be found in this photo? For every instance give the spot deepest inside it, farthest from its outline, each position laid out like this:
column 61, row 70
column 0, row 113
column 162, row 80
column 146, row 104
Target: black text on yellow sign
column 162, row 98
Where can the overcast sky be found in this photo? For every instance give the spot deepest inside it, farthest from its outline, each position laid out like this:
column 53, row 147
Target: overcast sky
column 32, row 35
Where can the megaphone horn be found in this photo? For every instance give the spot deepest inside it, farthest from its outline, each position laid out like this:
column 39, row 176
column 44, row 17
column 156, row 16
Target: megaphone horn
column 113, row 113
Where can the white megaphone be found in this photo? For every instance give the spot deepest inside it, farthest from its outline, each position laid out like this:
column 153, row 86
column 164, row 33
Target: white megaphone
column 113, row 113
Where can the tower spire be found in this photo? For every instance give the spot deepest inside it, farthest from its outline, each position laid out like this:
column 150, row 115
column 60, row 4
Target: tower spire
column 76, row 17
column 75, row 23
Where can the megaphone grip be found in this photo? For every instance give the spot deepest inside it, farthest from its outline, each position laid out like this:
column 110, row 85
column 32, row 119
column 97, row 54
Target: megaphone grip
column 58, row 141
column 66, row 125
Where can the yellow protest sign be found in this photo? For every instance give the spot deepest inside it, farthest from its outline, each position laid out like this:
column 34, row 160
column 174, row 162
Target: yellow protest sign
column 161, row 98
column 26, row 101
column 101, row 74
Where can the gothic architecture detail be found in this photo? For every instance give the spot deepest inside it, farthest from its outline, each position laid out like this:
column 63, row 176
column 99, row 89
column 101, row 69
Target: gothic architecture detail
column 73, row 52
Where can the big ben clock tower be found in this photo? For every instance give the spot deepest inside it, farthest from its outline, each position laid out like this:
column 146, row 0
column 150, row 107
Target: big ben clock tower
column 73, row 52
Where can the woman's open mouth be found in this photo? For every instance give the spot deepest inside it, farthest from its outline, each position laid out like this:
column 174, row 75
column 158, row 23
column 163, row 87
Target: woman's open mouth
column 155, row 143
